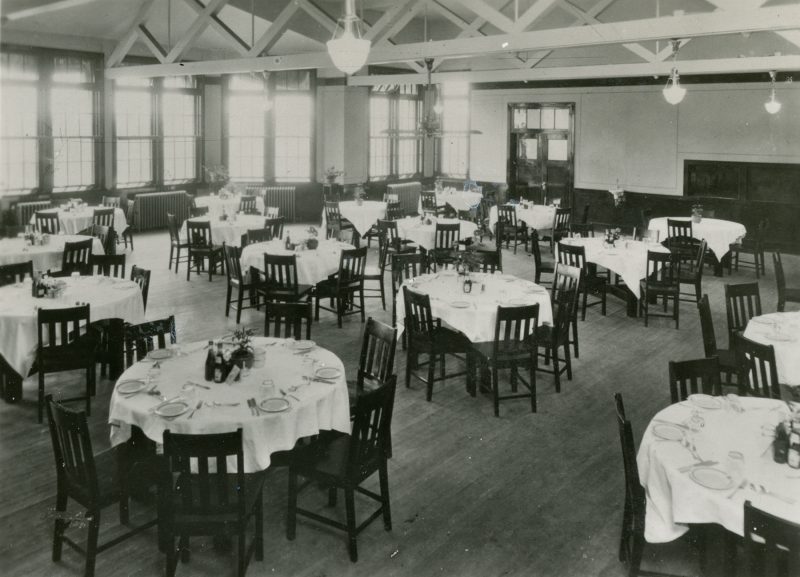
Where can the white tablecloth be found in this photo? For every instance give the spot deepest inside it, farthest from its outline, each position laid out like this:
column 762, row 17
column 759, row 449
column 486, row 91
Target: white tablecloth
column 229, row 231
column 536, row 216
column 719, row 234
column 456, row 199
column 313, row 266
column 321, row 406
column 45, row 257
column 675, row 499
column 782, row 331
column 478, row 318
column 362, row 216
column 74, row 221
column 107, row 297
column 216, row 205
column 424, row 235
column 628, row 258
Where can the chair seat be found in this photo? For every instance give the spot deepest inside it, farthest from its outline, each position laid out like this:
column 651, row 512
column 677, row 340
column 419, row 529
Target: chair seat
column 545, row 334
column 352, row 392
column 659, row 287
column 508, row 352
column 252, row 488
column 327, row 458
column 444, row 340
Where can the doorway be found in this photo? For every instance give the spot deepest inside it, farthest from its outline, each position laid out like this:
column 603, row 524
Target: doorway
column 541, row 152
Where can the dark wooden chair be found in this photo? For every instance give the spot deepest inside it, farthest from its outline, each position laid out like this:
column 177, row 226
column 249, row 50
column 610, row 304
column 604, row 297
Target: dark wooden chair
column 562, row 219
column 490, row 261
column 680, row 240
column 405, row 266
column 555, row 337
column 693, row 376
column 103, row 217
column 514, row 347
column 66, row 343
column 47, row 222
column 663, row 272
column 427, row 336
column 334, row 223
column 376, row 362
column 275, row 226
column 394, row 211
column 195, row 501
column 109, row 351
column 771, row 544
column 581, row 230
column 112, row 201
column 108, row 265
column 105, row 234
column 343, row 286
column 742, row 303
column 691, row 272
column 537, row 258
column 511, row 229
column 14, row 273
column 247, row 205
column 256, row 235
column 142, row 338
column 575, row 255
column 76, row 257
column 429, row 206
column 130, row 219
column 176, row 244
column 141, row 276
column 237, row 281
column 726, row 357
column 202, row 248
column 94, row 481
column 394, row 244
column 445, row 250
column 280, row 279
column 290, row 316
column 195, row 211
column 785, row 294
column 752, row 245
column 341, row 461
column 758, row 373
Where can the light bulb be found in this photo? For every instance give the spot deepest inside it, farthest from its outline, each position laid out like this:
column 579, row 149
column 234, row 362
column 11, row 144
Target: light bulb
column 772, row 106
column 438, row 108
column 673, row 92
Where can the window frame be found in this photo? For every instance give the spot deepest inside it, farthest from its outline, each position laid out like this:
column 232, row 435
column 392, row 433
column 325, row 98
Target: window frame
column 439, row 141
column 394, row 94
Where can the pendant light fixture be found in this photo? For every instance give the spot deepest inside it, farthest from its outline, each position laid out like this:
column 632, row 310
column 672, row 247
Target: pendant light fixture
column 772, row 106
column 673, row 92
column 347, row 49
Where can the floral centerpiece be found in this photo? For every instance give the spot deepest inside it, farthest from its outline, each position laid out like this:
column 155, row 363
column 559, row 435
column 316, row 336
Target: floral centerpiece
column 218, row 177
column 359, row 194
column 468, row 260
column 697, row 212
column 612, row 236
column 331, row 174
column 242, row 354
column 311, row 242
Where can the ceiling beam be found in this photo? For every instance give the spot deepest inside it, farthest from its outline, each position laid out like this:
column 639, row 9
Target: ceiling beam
column 490, row 14
column 536, row 11
column 129, row 38
column 152, row 44
column 43, row 9
column 275, row 30
column 379, row 30
column 200, row 23
column 225, row 31
column 687, row 67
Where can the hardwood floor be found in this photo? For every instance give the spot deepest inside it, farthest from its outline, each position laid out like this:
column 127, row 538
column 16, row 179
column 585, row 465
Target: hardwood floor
column 472, row 495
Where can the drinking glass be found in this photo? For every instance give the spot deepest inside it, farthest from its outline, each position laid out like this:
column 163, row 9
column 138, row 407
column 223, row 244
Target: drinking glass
column 268, row 388
column 695, row 422
column 734, row 463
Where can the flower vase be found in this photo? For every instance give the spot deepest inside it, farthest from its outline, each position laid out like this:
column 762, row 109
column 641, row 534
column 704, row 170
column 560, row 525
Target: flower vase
column 697, row 215
column 242, row 359
column 359, row 201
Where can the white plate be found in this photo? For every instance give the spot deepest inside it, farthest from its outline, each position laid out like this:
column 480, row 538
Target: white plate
column 668, row 432
column 130, row 387
column 303, row 345
column 122, row 287
column 535, row 289
column 172, row 409
column 711, row 478
column 705, row 401
column 274, row 405
column 159, row 354
column 762, row 320
column 519, row 302
column 459, row 304
column 328, row 373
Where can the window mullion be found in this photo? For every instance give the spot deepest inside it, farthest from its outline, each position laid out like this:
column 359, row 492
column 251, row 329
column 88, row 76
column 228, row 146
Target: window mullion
column 46, row 151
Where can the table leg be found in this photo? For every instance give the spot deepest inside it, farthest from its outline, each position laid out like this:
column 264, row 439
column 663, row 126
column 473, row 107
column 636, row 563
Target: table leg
column 10, row 381
column 356, row 241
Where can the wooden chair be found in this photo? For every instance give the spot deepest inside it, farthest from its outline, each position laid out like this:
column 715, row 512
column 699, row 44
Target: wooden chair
column 405, row 266
column 176, row 244
column 280, row 279
column 555, row 337
column 108, row 265
column 446, row 239
column 693, row 376
column 107, row 237
column 256, row 235
column 195, row 501
column 680, row 240
column 490, row 261
column 507, row 223
column 130, row 218
column 76, row 257
column 427, row 336
column 344, row 462
column 661, row 280
column 334, row 223
column 47, row 222
column 341, row 288
column 201, row 248
column 247, row 205
column 275, row 226
column 14, row 273
column 562, row 219
column 771, row 544
column 195, row 211
column 563, row 273
column 726, row 357
column 112, row 201
column 691, row 272
column 742, row 302
column 66, row 343
column 575, row 255
column 141, row 276
column 290, row 316
column 110, row 345
column 785, row 294
column 236, row 280
column 514, row 347
column 142, row 338
column 94, row 481
column 375, row 273
column 581, row 230
column 376, row 362
column 750, row 245
column 394, row 244
column 758, row 373
column 537, row 258
column 103, row 217
column 429, row 206
column 394, row 211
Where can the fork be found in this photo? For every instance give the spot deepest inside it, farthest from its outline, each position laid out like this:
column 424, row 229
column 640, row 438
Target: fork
column 199, row 404
column 285, row 394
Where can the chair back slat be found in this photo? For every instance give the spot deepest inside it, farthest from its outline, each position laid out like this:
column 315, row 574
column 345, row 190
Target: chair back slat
column 692, row 377
column 281, row 275
column 103, row 216
column 447, row 236
column 758, row 372
column 141, row 276
column 72, row 448
column 14, row 273
column 233, row 268
column 351, row 267
column 47, row 222
column 287, row 318
column 76, row 257
column 247, row 204
column 377, row 350
column 406, row 266
column 419, row 318
column 255, row 235
column 707, row 327
column 275, row 226
column 507, row 215
column 428, row 200
column 572, row 255
column 515, row 331
column 780, row 280
column 142, row 338
column 108, row 265
column 742, row 302
column 199, row 233
column 371, row 429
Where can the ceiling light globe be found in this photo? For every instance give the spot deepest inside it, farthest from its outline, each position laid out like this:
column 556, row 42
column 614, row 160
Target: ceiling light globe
column 673, row 92
column 348, row 53
column 772, row 106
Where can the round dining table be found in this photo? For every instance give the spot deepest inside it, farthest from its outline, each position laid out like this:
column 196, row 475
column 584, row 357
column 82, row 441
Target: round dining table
column 700, row 459
column 418, row 231
column 230, row 230
column 298, row 392
column 107, row 297
column 229, row 204
column 45, row 256
column 782, row 331
column 538, row 216
column 718, row 234
column 74, row 220
column 458, row 200
column 313, row 266
column 475, row 313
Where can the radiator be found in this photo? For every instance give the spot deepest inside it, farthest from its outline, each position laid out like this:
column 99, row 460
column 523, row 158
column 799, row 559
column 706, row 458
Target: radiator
column 150, row 209
column 407, row 194
column 283, row 197
column 26, row 210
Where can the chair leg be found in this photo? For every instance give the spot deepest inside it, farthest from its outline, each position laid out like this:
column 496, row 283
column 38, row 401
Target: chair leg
column 91, row 543
column 41, row 395
column 383, row 476
column 431, row 373
column 567, row 361
column 171, row 250
column 60, row 525
column 291, row 517
column 532, row 380
column 350, row 507
column 361, row 300
column 383, row 295
column 228, row 301
column 556, row 368
column 635, row 560
column 409, row 365
column 241, row 546
column 239, row 305
column 495, row 391
column 585, row 297
column 575, row 335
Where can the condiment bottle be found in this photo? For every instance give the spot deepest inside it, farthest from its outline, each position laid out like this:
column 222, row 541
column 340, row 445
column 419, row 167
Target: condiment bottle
column 780, row 446
column 209, row 372
column 793, row 455
column 218, row 364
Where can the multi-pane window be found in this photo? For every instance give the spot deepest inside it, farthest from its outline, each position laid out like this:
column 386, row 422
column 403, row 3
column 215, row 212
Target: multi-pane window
column 246, row 105
column 18, row 122
column 454, row 142
column 133, row 120
column 394, row 141
column 180, row 127
column 294, row 115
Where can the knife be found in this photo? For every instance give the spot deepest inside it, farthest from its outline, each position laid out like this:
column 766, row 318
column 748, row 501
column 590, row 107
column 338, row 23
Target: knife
column 688, row 468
